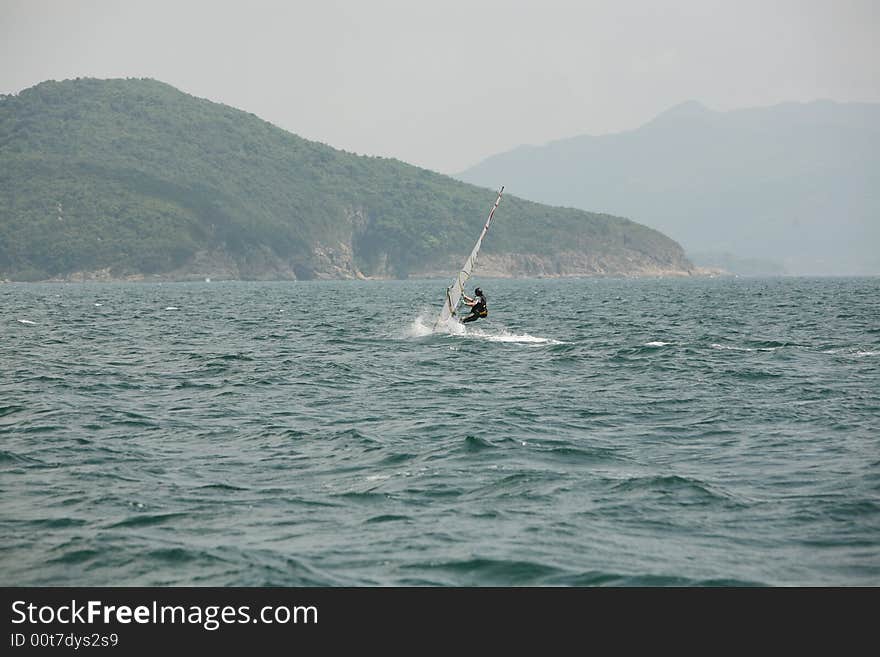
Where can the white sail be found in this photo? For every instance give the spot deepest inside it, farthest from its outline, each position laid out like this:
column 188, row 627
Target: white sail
column 455, row 291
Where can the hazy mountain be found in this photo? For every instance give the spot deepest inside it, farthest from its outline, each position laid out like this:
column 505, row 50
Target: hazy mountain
column 126, row 178
column 795, row 184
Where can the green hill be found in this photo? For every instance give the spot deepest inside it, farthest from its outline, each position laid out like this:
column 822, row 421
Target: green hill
column 133, row 178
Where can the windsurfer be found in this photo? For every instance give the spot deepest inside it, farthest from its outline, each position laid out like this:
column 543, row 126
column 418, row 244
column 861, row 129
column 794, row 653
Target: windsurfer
column 477, row 304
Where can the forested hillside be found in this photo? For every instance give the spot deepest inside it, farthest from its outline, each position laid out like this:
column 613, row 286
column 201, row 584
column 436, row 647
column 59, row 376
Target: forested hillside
column 127, row 178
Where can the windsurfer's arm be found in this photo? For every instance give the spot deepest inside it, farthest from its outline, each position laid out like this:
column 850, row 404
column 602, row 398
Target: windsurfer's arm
column 468, row 300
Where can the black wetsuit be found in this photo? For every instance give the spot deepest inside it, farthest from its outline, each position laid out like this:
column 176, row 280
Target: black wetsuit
column 478, row 310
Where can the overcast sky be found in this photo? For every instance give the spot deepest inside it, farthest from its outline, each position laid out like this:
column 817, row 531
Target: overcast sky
column 444, row 84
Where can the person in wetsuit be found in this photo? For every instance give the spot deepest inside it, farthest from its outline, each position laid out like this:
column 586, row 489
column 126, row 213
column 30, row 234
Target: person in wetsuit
column 477, row 304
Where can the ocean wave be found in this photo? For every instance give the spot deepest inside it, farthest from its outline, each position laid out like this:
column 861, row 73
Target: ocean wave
column 618, row 579
column 492, row 572
column 144, row 520
column 474, row 444
column 9, row 410
column 388, row 517
column 57, row 523
column 396, row 459
column 729, row 347
column 79, row 556
column 11, row 457
column 852, row 352
column 222, row 487
column 672, row 485
column 580, row 454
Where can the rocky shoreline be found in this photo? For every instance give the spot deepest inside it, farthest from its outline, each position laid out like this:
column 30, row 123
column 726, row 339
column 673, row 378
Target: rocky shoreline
column 338, row 264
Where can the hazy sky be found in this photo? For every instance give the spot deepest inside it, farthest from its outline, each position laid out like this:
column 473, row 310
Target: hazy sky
column 445, row 84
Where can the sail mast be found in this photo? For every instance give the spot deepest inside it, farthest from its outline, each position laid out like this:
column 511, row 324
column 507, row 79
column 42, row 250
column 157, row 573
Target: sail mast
column 456, row 290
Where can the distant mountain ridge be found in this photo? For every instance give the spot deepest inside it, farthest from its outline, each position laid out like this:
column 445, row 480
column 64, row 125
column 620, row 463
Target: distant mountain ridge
column 106, row 179
column 796, row 183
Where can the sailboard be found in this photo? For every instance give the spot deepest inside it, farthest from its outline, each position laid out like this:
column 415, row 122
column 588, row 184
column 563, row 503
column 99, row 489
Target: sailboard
column 455, row 291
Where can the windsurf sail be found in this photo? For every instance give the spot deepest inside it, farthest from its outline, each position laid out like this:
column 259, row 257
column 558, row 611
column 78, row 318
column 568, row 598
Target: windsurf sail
column 454, row 291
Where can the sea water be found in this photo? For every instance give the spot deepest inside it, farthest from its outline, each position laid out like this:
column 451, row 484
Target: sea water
column 587, row 432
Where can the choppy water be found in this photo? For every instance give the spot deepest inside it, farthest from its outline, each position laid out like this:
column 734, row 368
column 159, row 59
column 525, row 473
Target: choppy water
column 589, row 432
